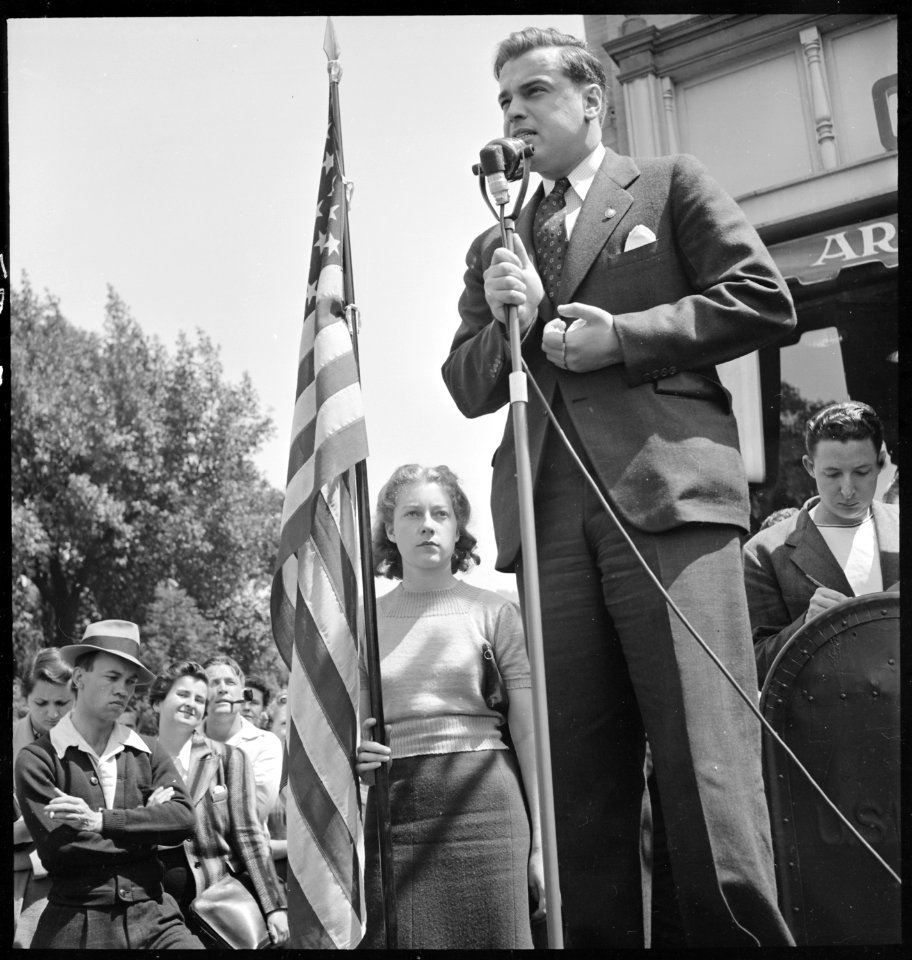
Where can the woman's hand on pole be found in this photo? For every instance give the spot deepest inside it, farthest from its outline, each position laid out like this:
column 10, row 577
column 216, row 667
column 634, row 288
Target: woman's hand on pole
column 370, row 753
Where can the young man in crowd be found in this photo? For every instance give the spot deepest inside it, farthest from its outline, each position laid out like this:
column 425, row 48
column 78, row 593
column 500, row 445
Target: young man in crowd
column 225, row 723
column 842, row 543
column 632, row 280
column 254, row 709
column 97, row 799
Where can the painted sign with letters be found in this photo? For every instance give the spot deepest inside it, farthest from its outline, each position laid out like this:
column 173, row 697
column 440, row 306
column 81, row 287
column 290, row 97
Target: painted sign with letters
column 821, row 256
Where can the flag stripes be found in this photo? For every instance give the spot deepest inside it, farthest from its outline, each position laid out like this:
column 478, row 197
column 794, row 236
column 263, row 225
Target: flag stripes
column 316, row 597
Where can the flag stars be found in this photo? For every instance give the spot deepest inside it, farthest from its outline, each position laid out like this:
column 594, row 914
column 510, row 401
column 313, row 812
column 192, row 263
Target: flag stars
column 328, row 162
column 332, row 211
column 311, row 291
column 321, row 242
column 332, row 244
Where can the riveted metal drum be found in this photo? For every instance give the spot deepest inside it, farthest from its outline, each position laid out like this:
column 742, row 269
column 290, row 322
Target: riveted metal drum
column 833, row 695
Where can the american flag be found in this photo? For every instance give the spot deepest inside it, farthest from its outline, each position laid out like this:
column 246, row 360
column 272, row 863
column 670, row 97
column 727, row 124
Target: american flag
column 315, row 599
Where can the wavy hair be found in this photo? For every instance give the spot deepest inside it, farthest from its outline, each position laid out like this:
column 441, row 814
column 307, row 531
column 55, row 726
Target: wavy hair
column 579, row 63
column 49, row 666
column 169, row 675
column 851, row 420
column 387, row 559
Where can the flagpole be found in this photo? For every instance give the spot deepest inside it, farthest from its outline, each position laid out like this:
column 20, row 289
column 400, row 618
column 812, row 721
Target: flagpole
column 372, row 649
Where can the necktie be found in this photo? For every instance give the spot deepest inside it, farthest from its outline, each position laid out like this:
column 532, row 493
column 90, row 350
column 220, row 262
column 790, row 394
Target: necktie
column 551, row 236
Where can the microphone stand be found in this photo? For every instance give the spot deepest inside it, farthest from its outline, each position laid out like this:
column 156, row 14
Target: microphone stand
column 519, row 398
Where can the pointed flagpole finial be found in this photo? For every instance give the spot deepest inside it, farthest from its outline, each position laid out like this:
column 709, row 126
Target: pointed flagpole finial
column 332, row 51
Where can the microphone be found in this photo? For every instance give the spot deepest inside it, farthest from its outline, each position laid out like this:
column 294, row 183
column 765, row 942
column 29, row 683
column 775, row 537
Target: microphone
column 501, row 160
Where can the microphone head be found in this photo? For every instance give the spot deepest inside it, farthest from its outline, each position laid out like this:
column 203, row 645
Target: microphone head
column 503, row 155
column 248, row 695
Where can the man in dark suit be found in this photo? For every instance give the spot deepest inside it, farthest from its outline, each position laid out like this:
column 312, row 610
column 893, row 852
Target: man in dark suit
column 662, row 279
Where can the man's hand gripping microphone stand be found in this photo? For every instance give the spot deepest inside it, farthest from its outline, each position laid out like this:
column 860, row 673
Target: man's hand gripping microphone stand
column 501, row 161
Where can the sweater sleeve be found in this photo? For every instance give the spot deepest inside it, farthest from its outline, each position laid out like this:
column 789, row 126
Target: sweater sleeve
column 509, row 644
column 63, row 848
column 163, row 823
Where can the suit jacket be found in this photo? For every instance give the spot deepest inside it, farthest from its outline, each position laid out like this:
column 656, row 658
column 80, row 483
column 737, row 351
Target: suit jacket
column 658, row 428
column 778, row 565
column 228, row 836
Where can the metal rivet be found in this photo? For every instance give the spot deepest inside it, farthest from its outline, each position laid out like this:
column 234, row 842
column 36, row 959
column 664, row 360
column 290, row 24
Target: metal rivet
column 609, row 213
column 891, row 661
column 842, row 696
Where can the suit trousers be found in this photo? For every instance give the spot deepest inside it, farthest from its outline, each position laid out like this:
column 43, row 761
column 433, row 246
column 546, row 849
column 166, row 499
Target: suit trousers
column 619, row 666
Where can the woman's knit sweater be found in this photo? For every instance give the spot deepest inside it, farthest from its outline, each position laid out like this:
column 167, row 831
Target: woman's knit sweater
column 431, row 666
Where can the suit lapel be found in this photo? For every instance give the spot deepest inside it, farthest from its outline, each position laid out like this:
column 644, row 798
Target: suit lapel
column 593, row 226
column 813, row 557
column 203, row 767
column 887, row 544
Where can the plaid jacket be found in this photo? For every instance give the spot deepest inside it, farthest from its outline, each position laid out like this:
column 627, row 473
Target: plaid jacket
column 229, row 836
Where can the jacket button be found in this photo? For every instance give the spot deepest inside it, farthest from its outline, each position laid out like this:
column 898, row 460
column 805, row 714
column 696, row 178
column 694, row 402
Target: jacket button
column 94, row 781
column 124, row 892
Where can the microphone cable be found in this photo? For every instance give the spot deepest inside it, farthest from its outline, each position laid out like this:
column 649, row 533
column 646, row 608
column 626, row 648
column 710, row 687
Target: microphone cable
column 690, row 629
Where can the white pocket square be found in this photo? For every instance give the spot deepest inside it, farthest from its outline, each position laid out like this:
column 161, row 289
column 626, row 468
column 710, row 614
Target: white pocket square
column 639, row 236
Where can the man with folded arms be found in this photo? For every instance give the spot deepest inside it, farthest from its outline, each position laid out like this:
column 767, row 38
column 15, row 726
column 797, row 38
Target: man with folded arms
column 633, row 279
column 97, row 798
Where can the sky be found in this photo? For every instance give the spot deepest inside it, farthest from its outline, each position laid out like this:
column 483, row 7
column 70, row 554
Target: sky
column 177, row 160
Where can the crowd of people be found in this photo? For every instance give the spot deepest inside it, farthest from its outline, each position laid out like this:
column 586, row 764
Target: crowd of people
column 116, row 831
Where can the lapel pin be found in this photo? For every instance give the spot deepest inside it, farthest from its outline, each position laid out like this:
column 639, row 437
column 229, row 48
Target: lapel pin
column 609, row 213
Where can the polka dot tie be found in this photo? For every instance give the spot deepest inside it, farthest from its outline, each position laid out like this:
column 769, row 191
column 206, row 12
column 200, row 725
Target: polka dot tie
column 551, row 237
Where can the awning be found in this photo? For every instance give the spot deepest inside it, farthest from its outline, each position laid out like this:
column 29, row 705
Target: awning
column 821, row 256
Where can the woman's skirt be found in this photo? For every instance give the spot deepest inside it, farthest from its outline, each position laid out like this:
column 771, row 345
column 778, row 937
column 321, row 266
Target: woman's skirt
column 461, row 843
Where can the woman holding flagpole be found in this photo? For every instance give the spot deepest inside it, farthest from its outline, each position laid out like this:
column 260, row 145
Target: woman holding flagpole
column 464, row 855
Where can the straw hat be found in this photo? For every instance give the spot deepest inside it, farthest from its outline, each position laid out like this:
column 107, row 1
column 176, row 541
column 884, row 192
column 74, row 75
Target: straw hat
column 120, row 638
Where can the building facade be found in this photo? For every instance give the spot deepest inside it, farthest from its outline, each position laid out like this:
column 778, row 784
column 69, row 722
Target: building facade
column 796, row 116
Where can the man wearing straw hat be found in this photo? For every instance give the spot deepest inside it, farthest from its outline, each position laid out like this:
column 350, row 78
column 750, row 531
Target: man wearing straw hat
column 98, row 798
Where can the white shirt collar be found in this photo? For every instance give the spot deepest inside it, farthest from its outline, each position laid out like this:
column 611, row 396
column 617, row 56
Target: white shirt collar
column 247, row 732
column 582, row 175
column 64, row 734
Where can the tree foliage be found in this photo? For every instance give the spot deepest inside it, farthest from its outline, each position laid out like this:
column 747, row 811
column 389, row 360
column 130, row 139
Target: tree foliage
column 793, row 485
column 133, row 485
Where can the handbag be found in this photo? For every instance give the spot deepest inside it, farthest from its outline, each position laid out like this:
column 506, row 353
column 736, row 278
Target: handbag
column 492, row 685
column 229, row 914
